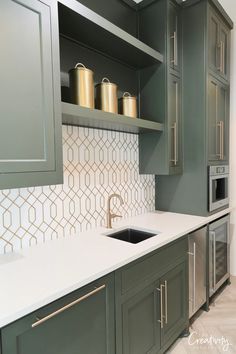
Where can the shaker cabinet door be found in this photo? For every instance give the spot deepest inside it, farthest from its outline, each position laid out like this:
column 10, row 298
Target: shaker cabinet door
column 218, row 46
column 224, row 47
column 140, row 322
column 213, row 135
column 30, row 134
column 82, row 322
column 175, row 302
column 218, row 121
column 213, row 41
column 223, row 121
column 174, row 37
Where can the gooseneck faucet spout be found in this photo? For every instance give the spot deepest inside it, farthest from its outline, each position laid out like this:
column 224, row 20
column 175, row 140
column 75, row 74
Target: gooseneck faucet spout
column 110, row 215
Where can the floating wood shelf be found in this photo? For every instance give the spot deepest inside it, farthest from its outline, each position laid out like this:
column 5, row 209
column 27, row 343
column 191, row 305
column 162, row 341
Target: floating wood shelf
column 79, row 23
column 94, row 118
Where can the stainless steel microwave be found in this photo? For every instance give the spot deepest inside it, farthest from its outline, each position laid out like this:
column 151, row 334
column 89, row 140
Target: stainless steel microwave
column 218, row 187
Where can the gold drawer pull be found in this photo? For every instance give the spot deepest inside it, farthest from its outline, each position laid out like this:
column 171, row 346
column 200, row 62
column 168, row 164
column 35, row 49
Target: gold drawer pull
column 66, row 307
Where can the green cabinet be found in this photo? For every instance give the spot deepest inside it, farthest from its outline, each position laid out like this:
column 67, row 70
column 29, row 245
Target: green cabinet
column 218, row 121
column 140, row 308
column 218, row 45
column 174, row 299
column 82, row 322
column 30, row 135
column 174, row 32
column 205, row 107
column 152, row 301
column 161, row 91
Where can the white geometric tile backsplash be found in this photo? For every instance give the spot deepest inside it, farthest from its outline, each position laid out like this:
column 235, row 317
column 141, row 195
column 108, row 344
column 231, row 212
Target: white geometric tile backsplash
column 96, row 164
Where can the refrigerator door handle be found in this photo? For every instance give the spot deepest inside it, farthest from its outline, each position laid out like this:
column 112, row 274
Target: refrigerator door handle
column 194, row 275
column 193, row 254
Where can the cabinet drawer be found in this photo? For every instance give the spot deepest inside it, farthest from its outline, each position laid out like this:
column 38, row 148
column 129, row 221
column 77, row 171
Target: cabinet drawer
column 143, row 271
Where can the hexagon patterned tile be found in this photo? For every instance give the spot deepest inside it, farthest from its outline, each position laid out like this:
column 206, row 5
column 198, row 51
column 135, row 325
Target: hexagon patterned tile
column 96, row 164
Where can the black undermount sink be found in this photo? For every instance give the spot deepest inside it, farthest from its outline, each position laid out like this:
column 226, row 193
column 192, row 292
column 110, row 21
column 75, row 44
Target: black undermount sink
column 131, row 235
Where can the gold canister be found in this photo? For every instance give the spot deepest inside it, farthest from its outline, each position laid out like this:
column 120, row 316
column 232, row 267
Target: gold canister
column 82, row 86
column 106, row 96
column 129, row 105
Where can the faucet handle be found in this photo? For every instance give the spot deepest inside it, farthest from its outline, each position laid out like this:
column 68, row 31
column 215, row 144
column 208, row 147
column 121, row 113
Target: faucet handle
column 115, row 216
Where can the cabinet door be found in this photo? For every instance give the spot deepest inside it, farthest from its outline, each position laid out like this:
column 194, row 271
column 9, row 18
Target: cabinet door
column 213, row 41
column 30, row 134
column 223, row 122
column 82, row 322
column 174, row 37
column 213, row 129
column 224, row 48
column 140, row 326
column 218, row 121
column 218, row 46
column 174, row 303
column 175, row 126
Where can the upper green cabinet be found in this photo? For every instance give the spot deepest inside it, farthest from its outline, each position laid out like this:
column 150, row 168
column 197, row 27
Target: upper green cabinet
column 82, row 322
column 218, row 121
column 174, row 32
column 30, row 135
column 205, row 106
column 218, row 45
column 161, row 154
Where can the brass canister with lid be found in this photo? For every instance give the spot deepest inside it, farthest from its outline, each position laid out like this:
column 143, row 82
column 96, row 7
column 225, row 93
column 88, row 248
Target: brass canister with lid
column 82, row 86
column 106, row 96
column 128, row 105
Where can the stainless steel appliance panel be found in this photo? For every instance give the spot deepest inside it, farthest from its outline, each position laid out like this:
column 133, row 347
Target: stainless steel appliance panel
column 218, row 187
column 197, row 270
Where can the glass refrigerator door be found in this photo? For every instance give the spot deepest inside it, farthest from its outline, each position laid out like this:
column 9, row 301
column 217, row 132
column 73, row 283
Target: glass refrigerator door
column 219, row 252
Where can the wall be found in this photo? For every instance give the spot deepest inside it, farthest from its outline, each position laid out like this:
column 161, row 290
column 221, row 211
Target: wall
column 96, row 164
column 230, row 8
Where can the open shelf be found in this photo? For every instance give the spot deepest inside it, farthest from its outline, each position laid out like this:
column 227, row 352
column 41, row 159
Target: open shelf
column 94, row 118
column 83, row 25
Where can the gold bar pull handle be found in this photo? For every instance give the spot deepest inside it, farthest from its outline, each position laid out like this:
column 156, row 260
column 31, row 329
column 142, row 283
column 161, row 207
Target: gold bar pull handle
column 175, row 59
column 166, row 301
column 222, row 140
column 220, row 46
column 161, row 305
column 66, row 307
column 223, row 57
column 174, row 127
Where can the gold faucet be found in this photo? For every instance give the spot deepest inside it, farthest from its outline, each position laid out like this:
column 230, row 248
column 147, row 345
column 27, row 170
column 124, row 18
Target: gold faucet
column 110, row 215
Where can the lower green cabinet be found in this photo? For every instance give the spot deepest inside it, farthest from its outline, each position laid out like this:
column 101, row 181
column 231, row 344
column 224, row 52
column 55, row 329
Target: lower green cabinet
column 152, row 313
column 80, row 323
column 139, row 309
column 174, row 300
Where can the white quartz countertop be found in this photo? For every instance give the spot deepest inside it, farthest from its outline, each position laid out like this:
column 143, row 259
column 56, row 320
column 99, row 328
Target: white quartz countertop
column 37, row 276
